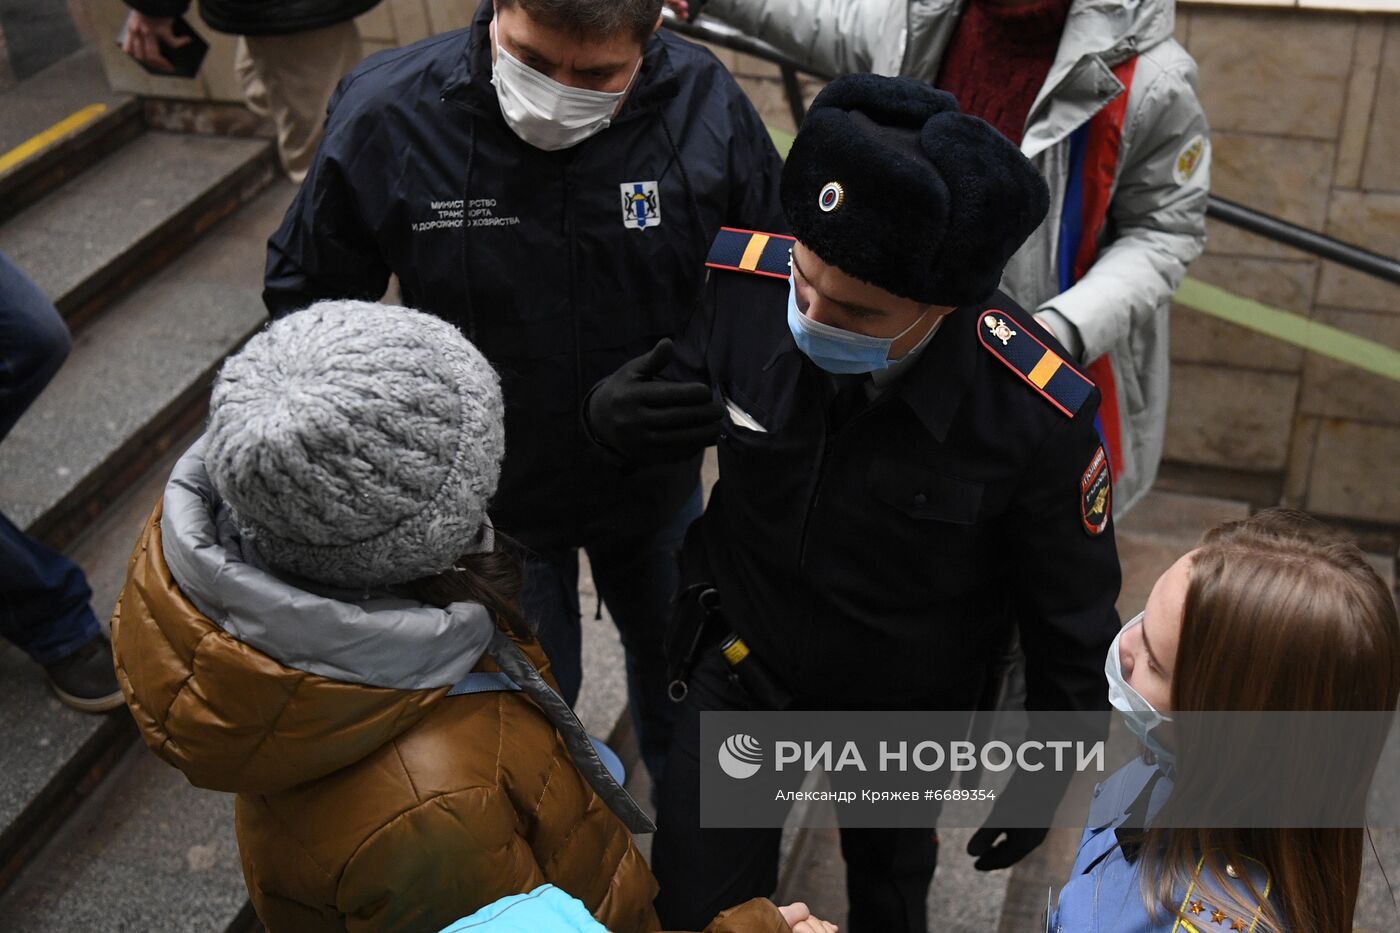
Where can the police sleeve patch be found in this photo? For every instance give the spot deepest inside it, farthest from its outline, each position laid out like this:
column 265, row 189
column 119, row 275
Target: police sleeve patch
column 748, row 251
column 1096, row 494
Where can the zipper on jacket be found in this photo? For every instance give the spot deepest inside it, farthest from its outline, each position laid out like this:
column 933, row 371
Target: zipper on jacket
column 570, row 244
column 824, row 455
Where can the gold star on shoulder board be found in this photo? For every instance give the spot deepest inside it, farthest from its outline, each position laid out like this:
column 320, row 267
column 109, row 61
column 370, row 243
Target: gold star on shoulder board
column 1217, row 916
column 1196, row 907
column 1237, row 924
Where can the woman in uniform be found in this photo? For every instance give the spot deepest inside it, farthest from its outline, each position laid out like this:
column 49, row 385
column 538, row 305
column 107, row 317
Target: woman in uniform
column 1275, row 613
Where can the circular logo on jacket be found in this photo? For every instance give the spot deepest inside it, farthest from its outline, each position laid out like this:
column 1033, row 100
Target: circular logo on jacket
column 831, row 197
column 740, row 756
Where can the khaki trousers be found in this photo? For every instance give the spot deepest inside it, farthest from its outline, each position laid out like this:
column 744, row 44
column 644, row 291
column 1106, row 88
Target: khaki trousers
column 290, row 79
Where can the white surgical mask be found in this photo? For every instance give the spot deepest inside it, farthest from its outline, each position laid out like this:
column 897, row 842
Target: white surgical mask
column 546, row 114
column 1141, row 717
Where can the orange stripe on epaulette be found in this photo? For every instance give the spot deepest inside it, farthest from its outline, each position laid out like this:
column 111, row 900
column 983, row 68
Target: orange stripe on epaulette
column 1041, row 368
column 738, row 250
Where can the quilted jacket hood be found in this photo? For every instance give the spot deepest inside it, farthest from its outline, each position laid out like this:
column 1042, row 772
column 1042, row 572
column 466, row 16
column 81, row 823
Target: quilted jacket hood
column 248, row 682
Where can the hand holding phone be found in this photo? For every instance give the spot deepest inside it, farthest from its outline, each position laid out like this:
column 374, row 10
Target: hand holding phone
column 163, row 45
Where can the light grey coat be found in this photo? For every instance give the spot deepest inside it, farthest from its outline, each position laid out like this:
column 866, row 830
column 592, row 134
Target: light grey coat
column 1156, row 223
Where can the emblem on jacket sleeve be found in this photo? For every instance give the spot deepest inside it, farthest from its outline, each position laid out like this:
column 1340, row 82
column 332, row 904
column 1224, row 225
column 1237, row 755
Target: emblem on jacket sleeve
column 1096, row 494
column 1000, row 329
column 641, row 205
column 831, row 197
column 1189, row 159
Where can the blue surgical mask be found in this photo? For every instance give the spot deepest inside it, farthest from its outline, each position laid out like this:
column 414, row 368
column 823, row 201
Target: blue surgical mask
column 1142, row 719
column 836, row 350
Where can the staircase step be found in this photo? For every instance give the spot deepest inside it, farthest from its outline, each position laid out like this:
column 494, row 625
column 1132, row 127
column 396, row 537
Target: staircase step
column 57, row 123
column 146, row 852
column 53, row 757
column 102, row 439
column 61, row 756
column 92, row 240
column 137, row 378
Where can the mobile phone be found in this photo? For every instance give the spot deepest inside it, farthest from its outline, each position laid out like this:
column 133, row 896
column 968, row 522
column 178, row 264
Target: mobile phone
column 186, row 59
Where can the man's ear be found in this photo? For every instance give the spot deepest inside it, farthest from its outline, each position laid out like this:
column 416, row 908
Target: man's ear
column 659, row 20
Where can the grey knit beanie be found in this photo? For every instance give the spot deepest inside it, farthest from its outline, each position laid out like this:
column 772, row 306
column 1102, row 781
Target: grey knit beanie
column 358, row 444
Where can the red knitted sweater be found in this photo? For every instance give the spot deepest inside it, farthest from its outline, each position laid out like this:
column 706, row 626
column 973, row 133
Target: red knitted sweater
column 999, row 56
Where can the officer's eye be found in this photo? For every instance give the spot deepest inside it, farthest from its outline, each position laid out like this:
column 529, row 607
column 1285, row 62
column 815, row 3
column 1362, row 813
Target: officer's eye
column 862, row 314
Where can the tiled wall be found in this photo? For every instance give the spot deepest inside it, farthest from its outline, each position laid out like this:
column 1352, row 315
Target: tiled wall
column 1305, row 114
column 1305, row 120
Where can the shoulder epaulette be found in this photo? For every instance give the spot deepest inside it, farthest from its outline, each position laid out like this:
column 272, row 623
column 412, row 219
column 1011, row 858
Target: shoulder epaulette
column 748, row 251
column 1042, row 368
column 1202, row 903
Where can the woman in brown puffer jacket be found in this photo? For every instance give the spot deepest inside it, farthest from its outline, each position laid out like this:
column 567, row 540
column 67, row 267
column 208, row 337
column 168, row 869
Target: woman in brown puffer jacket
column 318, row 576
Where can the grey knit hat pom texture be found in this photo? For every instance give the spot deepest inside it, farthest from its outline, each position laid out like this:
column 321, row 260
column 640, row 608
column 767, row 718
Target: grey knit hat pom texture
column 358, row 444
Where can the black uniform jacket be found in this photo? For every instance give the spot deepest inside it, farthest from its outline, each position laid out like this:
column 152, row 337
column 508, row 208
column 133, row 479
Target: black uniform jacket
column 542, row 258
column 880, row 565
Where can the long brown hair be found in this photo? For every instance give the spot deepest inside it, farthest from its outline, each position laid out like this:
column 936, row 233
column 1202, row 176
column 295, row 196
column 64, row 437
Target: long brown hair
column 494, row 579
column 1280, row 614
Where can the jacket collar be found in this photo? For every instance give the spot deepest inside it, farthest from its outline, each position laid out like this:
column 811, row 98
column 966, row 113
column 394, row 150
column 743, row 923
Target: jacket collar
column 371, row 640
column 935, row 386
column 1129, row 832
column 938, row 378
column 469, row 82
column 1098, row 35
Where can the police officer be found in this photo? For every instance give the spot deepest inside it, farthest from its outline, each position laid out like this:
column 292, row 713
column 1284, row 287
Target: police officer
column 549, row 181
column 908, row 467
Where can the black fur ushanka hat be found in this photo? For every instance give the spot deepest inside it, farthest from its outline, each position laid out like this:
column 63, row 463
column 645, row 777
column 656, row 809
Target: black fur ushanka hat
column 889, row 182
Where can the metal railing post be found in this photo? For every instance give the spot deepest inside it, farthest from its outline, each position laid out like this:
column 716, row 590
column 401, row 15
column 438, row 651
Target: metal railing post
column 796, row 104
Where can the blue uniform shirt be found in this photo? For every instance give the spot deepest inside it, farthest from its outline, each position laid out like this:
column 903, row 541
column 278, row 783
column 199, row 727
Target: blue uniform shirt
column 1103, row 894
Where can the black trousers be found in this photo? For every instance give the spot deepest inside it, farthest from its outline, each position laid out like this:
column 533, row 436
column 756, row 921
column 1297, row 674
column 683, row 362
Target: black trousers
column 704, row 871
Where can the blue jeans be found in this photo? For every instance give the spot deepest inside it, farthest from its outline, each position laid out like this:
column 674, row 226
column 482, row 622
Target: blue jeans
column 637, row 576
column 44, row 597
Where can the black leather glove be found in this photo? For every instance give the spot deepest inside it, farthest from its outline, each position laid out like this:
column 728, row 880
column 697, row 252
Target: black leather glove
column 649, row 420
column 992, row 854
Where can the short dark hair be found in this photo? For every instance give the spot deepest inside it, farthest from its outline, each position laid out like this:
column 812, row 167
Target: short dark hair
column 593, row 18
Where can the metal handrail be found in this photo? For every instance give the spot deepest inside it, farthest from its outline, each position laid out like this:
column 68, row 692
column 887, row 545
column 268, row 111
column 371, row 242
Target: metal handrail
column 1301, row 238
column 1217, row 208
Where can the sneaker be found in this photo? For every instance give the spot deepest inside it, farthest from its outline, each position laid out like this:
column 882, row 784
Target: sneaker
column 86, row 680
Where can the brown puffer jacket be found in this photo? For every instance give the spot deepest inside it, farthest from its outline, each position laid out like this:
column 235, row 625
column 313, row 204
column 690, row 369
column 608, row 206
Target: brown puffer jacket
column 359, row 807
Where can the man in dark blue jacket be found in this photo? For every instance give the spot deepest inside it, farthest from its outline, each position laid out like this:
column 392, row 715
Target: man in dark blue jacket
column 549, row 180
